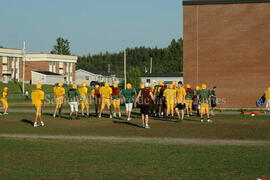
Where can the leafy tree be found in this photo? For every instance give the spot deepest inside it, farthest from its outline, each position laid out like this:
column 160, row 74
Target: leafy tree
column 61, row 47
column 1, row 46
column 134, row 77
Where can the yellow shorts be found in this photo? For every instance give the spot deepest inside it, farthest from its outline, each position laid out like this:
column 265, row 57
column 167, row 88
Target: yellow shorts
column 4, row 103
column 84, row 104
column 204, row 108
column 170, row 106
column 116, row 103
column 105, row 102
column 59, row 101
column 38, row 109
column 189, row 104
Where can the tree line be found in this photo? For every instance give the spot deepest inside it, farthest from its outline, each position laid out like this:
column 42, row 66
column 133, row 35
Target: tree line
column 165, row 60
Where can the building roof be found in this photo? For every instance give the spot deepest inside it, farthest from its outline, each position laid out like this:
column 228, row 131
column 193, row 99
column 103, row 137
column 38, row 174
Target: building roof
column 207, row 2
column 50, row 57
column 48, row 73
column 96, row 72
column 162, row 75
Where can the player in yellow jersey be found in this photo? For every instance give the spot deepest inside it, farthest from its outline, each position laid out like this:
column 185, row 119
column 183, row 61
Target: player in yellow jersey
column 267, row 99
column 59, row 95
column 4, row 100
column 106, row 98
column 37, row 97
column 170, row 96
column 189, row 99
column 180, row 99
column 84, row 100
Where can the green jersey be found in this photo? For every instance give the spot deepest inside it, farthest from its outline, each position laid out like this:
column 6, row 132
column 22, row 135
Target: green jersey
column 73, row 95
column 204, row 95
column 190, row 94
column 129, row 95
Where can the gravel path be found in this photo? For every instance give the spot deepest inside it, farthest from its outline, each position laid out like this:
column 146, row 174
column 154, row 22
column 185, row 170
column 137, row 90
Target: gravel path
column 144, row 140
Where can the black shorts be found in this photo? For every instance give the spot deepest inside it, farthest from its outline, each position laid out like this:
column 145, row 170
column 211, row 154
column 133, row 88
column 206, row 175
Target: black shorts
column 145, row 110
column 213, row 104
column 180, row 106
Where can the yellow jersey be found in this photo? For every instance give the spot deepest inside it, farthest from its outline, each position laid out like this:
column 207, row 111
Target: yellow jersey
column 4, row 95
column 59, row 91
column 83, row 91
column 37, row 96
column 106, row 92
column 181, row 92
column 170, row 95
column 267, row 95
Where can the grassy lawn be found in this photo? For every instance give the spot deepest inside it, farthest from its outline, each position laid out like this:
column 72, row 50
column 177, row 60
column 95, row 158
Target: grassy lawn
column 224, row 127
column 51, row 159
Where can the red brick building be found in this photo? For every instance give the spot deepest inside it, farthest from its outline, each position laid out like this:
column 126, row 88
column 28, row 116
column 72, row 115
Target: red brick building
column 11, row 61
column 227, row 44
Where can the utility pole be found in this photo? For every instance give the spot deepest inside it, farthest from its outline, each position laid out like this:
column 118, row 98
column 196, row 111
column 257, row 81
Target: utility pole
column 23, row 87
column 151, row 64
column 109, row 68
column 125, row 68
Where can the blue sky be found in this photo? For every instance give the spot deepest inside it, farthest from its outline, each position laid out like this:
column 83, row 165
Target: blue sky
column 91, row 26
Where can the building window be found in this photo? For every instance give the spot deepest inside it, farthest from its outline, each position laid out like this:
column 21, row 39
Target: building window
column 87, row 78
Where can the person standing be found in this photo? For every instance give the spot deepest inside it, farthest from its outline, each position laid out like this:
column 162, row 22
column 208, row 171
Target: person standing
column 170, row 96
column 204, row 98
column 146, row 97
column 213, row 100
column 116, row 100
column 180, row 99
column 4, row 100
column 106, row 98
column 95, row 93
column 196, row 100
column 73, row 99
column 26, row 95
column 189, row 101
column 160, row 99
column 37, row 97
column 59, row 94
column 129, row 95
column 84, row 101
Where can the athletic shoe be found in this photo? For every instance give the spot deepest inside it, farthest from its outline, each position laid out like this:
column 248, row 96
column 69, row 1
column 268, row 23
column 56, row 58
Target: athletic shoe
column 191, row 114
column 54, row 116
column 5, row 113
column 209, row 120
column 110, row 116
column 119, row 114
column 35, row 124
column 114, row 115
column 201, row 120
column 99, row 116
column 187, row 115
column 42, row 123
column 70, row 117
column 128, row 119
column 147, row 126
column 143, row 126
column 0, row 114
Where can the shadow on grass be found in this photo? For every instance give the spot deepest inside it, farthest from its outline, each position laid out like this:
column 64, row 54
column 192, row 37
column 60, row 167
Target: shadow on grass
column 166, row 119
column 27, row 122
column 126, row 123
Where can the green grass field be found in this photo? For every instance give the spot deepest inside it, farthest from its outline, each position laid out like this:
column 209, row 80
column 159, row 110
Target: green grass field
column 26, row 158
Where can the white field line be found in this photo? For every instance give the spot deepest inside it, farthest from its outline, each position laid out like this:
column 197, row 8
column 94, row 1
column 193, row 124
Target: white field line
column 145, row 140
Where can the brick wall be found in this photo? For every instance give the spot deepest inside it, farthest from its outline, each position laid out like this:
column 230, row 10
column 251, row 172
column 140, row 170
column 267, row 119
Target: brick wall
column 232, row 43
column 35, row 66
